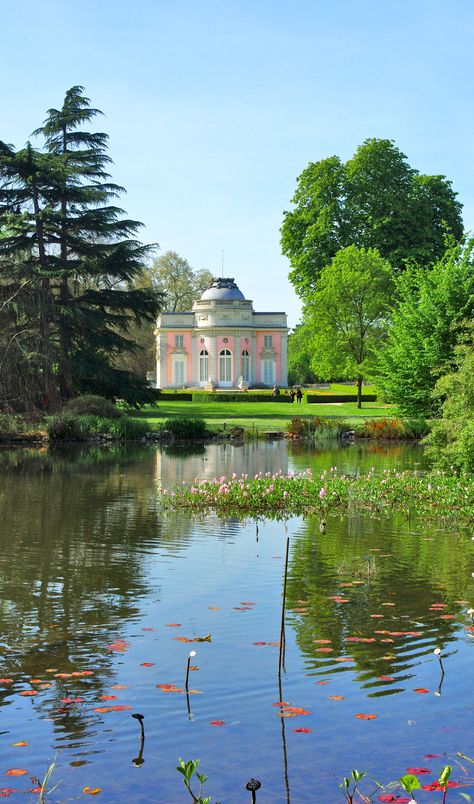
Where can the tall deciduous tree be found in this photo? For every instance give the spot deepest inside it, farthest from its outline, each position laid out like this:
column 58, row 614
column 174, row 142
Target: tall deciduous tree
column 300, row 353
column 180, row 285
column 451, row 441
column 375, row 200
column 78, row 252
column 347, row 314
column 433, row 306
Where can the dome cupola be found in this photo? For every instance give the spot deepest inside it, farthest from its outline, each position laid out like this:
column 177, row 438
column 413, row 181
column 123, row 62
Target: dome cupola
column 223, row 289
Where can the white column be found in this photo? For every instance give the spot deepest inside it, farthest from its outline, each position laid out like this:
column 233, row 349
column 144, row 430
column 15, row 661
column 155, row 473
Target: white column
column 237, row 358
column 213, row 359
column 253, row 358
column 284, row 359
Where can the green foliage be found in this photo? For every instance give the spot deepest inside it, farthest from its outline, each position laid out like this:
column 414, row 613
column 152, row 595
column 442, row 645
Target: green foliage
column 315, row 430
column 185, row 429
column 410, row 782
column 88, row 404
column 175, row 279
column 175, row 396
column 451, row 441
column 188, row 770
column 66, row 428
column 10, row 426
column 299, row 356
column 347, row 314
column 435, row 496
column 385, row 428
column 314, row 399
column 433, row 305
column 123, row 428
column 72, row 427
column 69, row 260
column 375, row 200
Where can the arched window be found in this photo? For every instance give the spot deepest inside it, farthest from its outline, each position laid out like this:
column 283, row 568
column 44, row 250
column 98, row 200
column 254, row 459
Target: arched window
column 203, row 366
column 246, row 366
column 225, row 366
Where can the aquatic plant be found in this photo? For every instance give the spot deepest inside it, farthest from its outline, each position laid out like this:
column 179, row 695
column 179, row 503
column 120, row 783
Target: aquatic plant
column 435, row 496
column 353, row 779
column 188, row 770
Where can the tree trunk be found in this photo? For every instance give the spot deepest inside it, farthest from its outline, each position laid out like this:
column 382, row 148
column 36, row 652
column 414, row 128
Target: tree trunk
column 359, row 392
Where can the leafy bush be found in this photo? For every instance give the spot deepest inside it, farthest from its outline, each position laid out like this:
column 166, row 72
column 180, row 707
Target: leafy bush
column 123, row 429
column 451, row 441
column 315, row 398
column 128, row 429
column 10, row 426
column 66, row 427
column 91, row 405
column 316, row 430
column 185, row 429
column 415, row 428
column 176, row 396
column 380, row 428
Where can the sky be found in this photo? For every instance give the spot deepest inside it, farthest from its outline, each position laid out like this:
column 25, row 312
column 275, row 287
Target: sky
column 215, row 107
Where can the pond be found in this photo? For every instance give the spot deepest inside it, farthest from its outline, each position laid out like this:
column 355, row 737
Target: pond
column 103, row 598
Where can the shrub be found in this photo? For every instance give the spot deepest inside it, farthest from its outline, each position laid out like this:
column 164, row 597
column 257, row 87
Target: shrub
column 91, row 405
column 176, row 396
column 312, row 399
column 66, row 427
column 10, row 426
column 185, row 429
column 123, row 429
column 415, row 428
column 239, row 396
column 316, row 430
column 128, row 429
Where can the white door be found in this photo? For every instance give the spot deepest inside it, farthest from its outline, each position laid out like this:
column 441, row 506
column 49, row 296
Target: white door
column 203, row 367
column 179, row 365
column 225, row 368
column 268, row 372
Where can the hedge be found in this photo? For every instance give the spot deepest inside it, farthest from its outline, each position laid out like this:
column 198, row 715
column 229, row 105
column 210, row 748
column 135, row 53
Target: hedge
column 176, row 396
column 315, row 398
column 199, row 396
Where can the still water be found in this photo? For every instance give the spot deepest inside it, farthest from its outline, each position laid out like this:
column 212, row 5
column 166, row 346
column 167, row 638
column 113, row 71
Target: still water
column 100, row 595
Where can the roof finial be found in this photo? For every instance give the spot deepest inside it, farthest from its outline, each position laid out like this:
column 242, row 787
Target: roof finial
column 222, row 264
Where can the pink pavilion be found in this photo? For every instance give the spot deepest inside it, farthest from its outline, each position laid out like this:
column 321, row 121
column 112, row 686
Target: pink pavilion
column 221, row 343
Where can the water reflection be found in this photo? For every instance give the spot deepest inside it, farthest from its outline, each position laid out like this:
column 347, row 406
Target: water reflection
column 374, row 610
column 99, row 592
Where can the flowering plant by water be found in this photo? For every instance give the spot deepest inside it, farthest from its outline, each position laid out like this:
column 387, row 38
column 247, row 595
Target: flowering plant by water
column 432, row 495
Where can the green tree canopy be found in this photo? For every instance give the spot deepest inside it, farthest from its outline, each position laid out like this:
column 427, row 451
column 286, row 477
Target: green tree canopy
column 451, row 441
column 347, row 314
column 433, row 304
column 78, row 255
column 175, row 279
column 374, row 200
column 299, row 355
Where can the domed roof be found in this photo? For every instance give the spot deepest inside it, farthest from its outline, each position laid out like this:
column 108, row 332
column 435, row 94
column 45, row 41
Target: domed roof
column 223, row 289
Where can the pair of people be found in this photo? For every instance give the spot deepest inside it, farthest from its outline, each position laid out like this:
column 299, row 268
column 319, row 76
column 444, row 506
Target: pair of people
column 298, row 394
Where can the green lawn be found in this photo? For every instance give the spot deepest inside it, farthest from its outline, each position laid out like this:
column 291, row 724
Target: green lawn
column 261, row 415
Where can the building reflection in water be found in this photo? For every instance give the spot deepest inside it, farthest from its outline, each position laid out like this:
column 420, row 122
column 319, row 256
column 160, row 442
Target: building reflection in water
column 173, row 466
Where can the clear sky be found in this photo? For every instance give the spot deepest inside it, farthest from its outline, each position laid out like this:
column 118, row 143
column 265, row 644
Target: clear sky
column 215, row 107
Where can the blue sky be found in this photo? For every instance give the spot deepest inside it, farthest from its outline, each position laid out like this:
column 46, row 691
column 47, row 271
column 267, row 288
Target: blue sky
column 214, row 107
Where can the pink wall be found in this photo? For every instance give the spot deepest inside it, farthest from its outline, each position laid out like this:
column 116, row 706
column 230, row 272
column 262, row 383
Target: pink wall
column 187, row 345
column 277, row 350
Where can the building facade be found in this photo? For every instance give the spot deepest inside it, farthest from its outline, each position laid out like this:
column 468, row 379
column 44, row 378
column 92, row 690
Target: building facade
column 221, row 343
